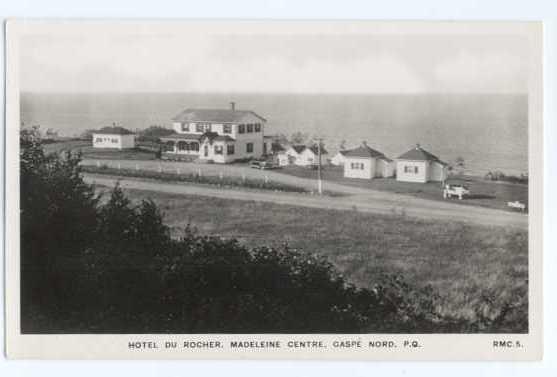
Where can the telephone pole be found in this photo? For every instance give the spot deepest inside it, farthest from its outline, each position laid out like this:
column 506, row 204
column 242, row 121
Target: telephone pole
column 319, row 180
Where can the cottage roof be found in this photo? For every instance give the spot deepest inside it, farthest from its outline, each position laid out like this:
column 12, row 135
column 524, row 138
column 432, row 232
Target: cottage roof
column 364, row 151
column 114, row 130
column 419, row 154
column 215, row 115
column 300, row 148
column 276, row 147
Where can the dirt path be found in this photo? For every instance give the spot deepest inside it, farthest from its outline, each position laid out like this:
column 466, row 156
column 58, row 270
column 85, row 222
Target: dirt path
column 359, row 199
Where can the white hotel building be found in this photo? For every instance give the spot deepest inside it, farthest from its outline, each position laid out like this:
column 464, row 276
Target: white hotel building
column 218, row 135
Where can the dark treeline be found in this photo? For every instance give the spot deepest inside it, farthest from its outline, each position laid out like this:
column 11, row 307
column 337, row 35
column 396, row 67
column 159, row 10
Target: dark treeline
column 109, row 266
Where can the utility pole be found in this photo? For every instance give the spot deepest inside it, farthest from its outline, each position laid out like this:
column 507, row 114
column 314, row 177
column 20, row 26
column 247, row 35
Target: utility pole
column 319, row 181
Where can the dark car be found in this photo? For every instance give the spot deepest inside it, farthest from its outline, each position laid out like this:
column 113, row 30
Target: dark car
column 257, row 164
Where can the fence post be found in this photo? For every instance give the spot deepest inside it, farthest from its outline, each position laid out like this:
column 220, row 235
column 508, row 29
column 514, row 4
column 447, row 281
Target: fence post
column 266, row 179
column 243, row 179
column 119, row 166
column 178, row 171
column 199, row 172
column 160, row 168
column 136, row 167
column 98, row 164
column 221, row 176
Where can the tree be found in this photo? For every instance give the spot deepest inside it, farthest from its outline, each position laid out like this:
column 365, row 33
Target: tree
column 458, row 166
column 298, row 137
column 342, row 145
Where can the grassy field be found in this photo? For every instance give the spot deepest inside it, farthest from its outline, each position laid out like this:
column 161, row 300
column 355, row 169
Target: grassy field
column 141, row 152
column 477, row 270
column 485, row 193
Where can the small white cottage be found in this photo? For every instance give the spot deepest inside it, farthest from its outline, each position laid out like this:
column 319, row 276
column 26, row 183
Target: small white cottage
column 302, row 155
column 418, row 165
column 338, row 159
column 367, row 163
column 114, row 138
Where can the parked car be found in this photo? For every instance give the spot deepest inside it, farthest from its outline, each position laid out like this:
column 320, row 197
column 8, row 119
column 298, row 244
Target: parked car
column 517, row 205
column 261, row 164
column 459, row 191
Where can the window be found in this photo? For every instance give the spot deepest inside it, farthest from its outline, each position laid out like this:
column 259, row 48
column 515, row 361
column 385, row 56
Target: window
column 411, row 169
column 182, row 146
column 114, row 141
column 357, row 165
column 250, row 128
column 218, row 149
column 185, row 127
column 257, row 127
column 230, row 149
column 194, row 146
column 99, row 140
column 249, row 147
column 227, row 129
column 241, row 128
column 203, row 127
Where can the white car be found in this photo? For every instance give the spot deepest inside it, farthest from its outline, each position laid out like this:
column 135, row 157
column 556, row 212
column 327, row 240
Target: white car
column 459, row 191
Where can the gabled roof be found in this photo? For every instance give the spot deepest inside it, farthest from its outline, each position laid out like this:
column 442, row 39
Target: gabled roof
column 363, row 151
column 315, row 149
column 213, row 136
column 299, row 148
column 419, row 154
column 215, row 115
column 113, row 131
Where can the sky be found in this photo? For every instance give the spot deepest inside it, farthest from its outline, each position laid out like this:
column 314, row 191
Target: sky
column 304, row 62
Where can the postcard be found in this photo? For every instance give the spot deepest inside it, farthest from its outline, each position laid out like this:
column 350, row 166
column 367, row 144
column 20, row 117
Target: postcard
column 257, row 189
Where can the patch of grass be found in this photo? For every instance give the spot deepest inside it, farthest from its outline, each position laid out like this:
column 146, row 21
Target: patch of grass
column 484, row 193
column 477, row 270
column 225, row 182
column 143, row 151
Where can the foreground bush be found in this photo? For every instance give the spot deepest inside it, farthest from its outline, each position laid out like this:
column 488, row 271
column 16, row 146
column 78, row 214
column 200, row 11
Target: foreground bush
column 92, row 266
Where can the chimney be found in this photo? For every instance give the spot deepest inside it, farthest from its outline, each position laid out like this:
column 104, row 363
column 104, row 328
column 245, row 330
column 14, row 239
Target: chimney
column 418, row 146
column 233, row 106
column 364, row 143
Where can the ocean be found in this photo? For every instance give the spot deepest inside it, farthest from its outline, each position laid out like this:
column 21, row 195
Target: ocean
column 490, row 131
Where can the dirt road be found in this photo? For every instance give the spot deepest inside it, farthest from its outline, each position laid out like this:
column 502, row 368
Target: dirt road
column 355, row 199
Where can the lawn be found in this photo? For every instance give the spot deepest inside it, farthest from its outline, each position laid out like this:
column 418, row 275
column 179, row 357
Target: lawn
column 475, row 269
column 484, row 193
column 140, row 152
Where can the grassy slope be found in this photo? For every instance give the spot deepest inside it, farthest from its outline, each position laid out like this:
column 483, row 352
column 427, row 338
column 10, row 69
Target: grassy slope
column 484, row 193
column 458, row 260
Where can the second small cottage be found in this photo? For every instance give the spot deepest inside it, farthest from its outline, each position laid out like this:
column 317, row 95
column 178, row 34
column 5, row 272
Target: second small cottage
column 418, row 165
column 367, row 163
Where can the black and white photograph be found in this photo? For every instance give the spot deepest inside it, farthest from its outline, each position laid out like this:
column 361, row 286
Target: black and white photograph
column 239, row 187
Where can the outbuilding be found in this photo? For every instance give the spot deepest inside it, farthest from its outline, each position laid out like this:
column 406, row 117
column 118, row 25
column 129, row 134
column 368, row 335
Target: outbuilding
column 338, row 159
column 113, row 137
column 419, row 165
column 367, row 163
